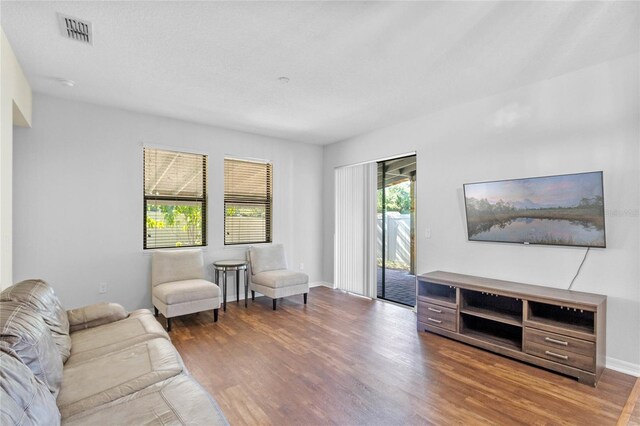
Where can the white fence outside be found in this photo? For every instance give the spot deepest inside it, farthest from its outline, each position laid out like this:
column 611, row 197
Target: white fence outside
column 398, row 237
column 252, row 228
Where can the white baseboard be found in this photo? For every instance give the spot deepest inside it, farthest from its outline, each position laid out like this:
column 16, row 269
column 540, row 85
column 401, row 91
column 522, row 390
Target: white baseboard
column 623, row 366
column 320, row 284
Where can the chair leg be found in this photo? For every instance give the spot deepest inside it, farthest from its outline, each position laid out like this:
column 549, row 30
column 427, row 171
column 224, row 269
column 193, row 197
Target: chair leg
column 155, row 311
column 215, row 315
column 305, row 298
column 274, row 304
column 168, row 324
column 253, row 295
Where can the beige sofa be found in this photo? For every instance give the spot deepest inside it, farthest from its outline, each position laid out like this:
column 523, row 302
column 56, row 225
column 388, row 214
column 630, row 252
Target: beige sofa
column 95, row 365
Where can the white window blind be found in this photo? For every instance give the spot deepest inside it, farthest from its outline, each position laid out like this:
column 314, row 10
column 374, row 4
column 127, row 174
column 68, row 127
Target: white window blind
column 175, row 199
column 247, row 201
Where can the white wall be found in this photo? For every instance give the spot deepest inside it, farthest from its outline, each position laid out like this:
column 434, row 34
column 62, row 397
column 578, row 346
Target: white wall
column 582, row 121
column 15, row 108
column 78, row 197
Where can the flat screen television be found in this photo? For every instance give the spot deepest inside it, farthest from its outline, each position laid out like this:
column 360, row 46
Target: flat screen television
column 566, row 210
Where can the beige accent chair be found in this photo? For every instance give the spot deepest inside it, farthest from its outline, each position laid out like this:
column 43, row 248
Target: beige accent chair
column 270, row 276
column 178, row 286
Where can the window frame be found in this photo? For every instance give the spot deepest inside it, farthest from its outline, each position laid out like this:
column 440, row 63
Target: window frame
column 177, row 199
column 267, row 202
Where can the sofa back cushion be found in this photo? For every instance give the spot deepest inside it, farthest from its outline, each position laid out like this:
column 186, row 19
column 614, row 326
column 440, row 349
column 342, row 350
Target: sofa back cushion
column 176, row 265
column 26, row 333
column 267, row 258
column 95, row 315
column 40, row 296
column 25, row 399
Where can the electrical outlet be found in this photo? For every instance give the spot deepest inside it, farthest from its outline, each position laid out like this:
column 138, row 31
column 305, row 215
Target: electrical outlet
column 102, row 288
column 302, row 266
column 427, row 233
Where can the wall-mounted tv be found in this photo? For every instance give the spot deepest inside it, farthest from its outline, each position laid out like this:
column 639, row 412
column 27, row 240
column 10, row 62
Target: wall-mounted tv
column 563, row 210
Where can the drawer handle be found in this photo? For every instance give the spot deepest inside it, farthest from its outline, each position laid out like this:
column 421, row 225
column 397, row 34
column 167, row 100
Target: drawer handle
column 434, row 320
column 437, row 311
column 557, row 342
column 556, row 355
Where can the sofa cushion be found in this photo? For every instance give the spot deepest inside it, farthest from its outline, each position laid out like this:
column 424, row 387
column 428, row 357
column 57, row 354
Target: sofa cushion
column 176, row 401
column 95, row 315
column 186, row 291
column 39, row 295
column 267, row 258
column 280, row 278
column 100, row 380
column 140, row 326
column 25, row 332
column 24, row 400
column 176, row 265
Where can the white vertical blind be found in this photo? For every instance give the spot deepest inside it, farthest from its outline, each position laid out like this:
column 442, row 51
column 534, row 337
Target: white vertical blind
column 355, row 218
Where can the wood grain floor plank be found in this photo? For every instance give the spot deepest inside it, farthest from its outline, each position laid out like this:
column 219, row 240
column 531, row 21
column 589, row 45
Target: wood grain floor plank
column 346, row 360
column 631, row 411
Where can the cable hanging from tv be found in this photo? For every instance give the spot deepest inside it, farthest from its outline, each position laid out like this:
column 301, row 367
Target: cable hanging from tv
column 579, row 268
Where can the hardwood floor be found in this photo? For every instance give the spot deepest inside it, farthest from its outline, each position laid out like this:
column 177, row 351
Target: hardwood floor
column 631, row 411
column 634, row 418
column 347, row 360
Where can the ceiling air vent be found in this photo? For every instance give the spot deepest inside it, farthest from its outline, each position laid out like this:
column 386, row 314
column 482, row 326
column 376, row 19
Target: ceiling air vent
column 75, row 29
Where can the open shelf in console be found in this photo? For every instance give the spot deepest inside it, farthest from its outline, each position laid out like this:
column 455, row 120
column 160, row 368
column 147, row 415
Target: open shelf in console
column 504, row 309
column 437, row 292
column 565, row 318
column 497, row 333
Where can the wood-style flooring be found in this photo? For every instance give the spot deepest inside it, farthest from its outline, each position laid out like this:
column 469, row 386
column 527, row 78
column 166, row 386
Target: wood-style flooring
column 631, row 411
column 346, row 360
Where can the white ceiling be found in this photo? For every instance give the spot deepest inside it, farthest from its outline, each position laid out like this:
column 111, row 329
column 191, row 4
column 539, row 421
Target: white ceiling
column 353, row 66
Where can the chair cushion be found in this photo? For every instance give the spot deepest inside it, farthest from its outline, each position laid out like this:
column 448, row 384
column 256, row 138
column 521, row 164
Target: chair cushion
column 40, row 296
column 24, row 400
column 267, row 258
column 26, row 333
column 106, row 378
column 140, row 326
column 176, row 265
column 186, row 291
column 176, row 401
column 280, row 278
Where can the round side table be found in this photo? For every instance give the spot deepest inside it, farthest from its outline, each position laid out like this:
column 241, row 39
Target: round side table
column 236, row 266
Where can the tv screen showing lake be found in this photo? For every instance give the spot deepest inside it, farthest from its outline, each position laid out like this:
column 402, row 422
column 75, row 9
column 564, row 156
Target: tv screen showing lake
column 555, row 210
column 544, row 231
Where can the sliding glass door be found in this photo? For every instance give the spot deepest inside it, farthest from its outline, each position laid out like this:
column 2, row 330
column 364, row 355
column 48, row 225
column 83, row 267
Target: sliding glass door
column 396, row 248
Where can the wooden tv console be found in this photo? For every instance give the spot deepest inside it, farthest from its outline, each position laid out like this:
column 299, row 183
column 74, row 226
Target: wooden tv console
column 557, row 329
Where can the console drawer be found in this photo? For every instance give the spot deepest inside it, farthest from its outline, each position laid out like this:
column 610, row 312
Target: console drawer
column 564, row 350
column 560, row 342
column 437, row 316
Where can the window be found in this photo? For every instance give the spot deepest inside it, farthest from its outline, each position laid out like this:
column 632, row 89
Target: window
column 247, row 201
column 175, row 199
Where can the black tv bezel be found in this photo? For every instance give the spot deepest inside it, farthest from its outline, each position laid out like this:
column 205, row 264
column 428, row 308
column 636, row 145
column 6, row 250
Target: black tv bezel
column 526, row 243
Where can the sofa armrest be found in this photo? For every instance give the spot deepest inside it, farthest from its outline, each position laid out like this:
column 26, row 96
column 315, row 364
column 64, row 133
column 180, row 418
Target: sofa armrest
column 95, row 315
